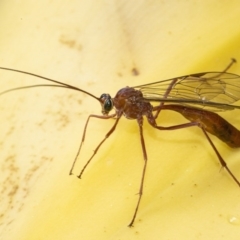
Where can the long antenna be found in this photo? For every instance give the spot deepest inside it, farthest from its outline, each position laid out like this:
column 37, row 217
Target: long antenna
column 64, row 85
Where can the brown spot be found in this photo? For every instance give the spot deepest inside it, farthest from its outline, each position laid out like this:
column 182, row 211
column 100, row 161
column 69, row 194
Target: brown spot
column 135, row 71
column 70, row 42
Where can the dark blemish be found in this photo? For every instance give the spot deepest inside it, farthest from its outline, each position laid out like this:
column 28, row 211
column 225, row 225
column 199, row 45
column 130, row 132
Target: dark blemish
column 71, row 43
column 119, row 74
column 13, row 191
column 135, row 71
column 63, row 119
column 46, row 159
column 79, row 101
column 10, row 131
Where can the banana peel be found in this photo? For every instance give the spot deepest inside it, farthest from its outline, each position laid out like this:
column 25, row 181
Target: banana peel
column 102, row 46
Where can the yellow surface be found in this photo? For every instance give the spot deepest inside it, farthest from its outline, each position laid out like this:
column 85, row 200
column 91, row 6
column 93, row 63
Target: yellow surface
column 95, row 45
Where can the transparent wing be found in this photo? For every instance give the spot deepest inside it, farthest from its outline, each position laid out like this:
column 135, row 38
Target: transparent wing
column 215, row 90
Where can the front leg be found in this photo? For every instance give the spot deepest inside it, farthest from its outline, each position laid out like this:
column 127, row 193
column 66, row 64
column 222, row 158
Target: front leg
column 84, row 134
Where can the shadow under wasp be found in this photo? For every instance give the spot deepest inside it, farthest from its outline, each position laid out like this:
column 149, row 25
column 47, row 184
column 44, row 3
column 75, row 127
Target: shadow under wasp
column 195, row 96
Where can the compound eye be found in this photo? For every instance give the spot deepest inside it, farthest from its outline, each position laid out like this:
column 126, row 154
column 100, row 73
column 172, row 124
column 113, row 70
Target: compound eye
column 107, row 104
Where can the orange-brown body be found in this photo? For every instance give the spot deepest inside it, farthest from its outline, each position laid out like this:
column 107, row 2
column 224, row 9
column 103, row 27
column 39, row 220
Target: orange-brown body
column 211, row 122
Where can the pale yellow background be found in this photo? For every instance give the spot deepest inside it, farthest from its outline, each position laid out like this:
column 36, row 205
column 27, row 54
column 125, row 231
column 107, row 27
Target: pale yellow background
column 95, row 44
